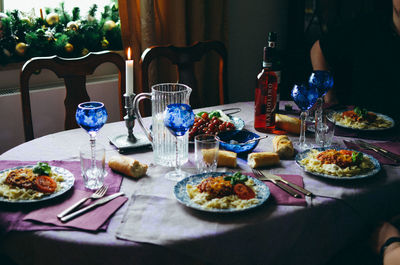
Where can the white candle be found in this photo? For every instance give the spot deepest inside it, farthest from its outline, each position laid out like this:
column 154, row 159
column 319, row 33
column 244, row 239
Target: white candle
column 129, row 74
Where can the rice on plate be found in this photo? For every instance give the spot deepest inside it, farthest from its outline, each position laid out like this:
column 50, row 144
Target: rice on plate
column 339, row 163
column 362, row 119
column 24, row 183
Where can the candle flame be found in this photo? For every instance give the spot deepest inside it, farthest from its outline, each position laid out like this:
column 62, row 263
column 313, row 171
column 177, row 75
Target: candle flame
column 129, row 53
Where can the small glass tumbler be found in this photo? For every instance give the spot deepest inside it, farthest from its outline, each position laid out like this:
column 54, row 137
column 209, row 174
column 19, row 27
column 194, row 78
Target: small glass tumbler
column 93, row 165
column 324, row 130
column 206, row 153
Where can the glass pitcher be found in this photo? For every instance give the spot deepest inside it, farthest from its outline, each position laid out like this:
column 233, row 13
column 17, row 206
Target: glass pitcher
column 162, row 140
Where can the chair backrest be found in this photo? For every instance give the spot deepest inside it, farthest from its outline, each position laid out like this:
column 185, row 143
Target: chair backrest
column 74, row 72
column 185, row 58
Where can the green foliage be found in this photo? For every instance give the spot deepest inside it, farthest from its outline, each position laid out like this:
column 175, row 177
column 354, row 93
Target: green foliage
column 44, row 39
column 42, row 168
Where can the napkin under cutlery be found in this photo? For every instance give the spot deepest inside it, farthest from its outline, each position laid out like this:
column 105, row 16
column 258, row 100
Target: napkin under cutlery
column 90, row 207
column 91, row 221
column 390, row 146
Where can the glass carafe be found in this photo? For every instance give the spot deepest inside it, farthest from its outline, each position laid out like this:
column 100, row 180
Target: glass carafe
column 162, row 140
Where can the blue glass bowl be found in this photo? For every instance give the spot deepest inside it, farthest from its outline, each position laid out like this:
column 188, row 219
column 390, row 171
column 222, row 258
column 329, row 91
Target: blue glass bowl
column 230, row 140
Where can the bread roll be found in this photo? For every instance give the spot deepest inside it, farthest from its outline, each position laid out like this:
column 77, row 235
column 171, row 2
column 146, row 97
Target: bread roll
column 225, row 158
column 283, row 146
column 209, row 155
column 262, row 159
column 287, row 123
column 127, row 166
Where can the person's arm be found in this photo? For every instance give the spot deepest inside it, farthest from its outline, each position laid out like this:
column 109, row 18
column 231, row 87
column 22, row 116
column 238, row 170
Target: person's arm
column 318, row 62
column 391, row 255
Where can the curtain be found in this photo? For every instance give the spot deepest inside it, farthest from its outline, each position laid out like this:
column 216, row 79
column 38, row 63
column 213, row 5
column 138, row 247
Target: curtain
column 146, row 23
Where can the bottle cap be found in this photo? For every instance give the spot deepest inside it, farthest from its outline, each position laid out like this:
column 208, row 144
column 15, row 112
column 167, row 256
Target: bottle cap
column 272, row 36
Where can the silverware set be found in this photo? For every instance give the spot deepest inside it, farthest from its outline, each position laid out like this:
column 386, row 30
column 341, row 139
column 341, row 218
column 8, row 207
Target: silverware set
column 379, row 150
column 66, row 215
column 287, row 186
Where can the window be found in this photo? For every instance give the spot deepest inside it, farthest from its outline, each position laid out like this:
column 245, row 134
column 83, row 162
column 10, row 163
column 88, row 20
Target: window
column 9, row 68
column 35, row 6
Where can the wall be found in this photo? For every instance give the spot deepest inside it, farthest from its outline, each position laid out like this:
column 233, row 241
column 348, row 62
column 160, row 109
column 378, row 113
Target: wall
column 249, row 24
column 48, row 110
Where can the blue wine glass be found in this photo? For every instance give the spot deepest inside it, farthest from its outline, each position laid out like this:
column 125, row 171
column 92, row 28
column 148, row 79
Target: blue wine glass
column 304, row 97
column 91, row 116
column 323, row 82
column 178, row 118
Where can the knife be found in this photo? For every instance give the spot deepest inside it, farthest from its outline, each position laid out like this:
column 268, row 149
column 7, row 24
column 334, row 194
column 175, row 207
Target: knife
column 91, row 206
column 380, row 150
column 268, row 176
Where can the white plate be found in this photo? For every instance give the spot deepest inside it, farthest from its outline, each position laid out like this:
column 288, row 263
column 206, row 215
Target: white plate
column 182, row 196
column 66, row 185
column 372, row 172
column 385, row 117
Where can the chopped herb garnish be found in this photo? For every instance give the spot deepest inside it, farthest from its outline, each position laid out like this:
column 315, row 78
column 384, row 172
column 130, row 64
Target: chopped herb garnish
column 42, row 168
column 214, row 113
column 357, row 157
column 360, row 111
column 236, row 178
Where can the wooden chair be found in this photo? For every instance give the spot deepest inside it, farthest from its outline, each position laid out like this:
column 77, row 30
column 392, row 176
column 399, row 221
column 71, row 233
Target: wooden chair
column 74, row 72
column 185, row 58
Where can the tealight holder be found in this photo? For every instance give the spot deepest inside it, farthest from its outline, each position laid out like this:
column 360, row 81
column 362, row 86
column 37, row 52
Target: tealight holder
column 126, row 142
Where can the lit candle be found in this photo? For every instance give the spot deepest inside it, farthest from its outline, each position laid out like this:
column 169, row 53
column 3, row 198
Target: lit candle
column 129, row 73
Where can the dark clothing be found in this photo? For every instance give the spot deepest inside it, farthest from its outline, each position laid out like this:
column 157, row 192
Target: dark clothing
column 364, row 56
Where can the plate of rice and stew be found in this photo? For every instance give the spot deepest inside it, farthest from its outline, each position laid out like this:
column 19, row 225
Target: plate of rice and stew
column 221, row 192
column 338, row 163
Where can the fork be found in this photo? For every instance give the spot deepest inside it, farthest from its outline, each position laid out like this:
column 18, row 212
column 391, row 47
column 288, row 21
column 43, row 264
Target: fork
column 96, row 195
column 258, row 174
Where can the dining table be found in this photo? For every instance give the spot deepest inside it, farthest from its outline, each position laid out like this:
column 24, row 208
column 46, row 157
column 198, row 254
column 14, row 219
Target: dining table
column 152, row 227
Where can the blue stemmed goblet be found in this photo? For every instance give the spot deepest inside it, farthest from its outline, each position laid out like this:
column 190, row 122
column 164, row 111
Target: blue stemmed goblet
column 323, row 82
column 91, row 116
column 178, row 118
column 304, row 97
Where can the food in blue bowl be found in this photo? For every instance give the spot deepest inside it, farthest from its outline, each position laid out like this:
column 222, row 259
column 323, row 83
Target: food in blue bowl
column 232, row 140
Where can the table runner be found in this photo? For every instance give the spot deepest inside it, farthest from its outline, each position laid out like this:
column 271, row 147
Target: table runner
column 12, row 215
column 388, row 135
column 140, row 224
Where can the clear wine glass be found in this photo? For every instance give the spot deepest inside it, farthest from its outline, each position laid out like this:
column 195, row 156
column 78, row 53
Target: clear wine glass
column 178, row 118
column 91, row 116
column 323, row 82
column 304, row 97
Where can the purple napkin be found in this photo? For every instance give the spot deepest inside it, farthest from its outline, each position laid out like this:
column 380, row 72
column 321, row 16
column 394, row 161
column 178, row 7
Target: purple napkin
column 280, row 196
column 12, row 216
column 91, row 220
column 389, row 135
column 390, row 146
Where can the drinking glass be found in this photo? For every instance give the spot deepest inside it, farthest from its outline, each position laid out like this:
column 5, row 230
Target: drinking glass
column 178, row 118
column 206, row 149
column 91, row 116
column 323, row 82
column 93, row 174
column 325, row 129
column 304, row 97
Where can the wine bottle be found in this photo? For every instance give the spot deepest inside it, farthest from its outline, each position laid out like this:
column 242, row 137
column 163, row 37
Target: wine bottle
column 276, row 62
column 266, row 95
